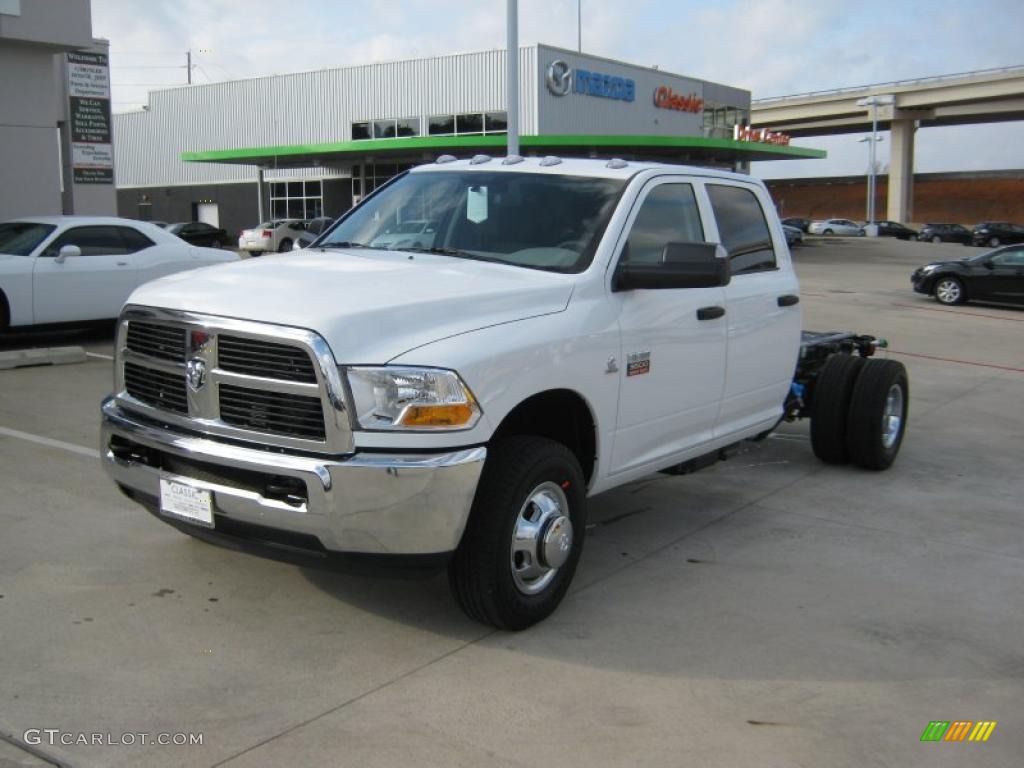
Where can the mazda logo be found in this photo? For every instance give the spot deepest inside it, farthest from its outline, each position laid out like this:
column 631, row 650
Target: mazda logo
column 558, row 78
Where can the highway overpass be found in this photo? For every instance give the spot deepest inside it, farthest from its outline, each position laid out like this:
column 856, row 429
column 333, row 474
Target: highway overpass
column 985, row 96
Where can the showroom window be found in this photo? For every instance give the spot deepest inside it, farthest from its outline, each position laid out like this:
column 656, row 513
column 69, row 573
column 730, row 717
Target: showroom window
column 296, row 199
column 468, row 124
column 376, row 174
column 391, row 128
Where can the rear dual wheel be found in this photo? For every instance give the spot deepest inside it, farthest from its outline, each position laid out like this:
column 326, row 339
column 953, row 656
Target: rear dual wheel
column 859, row 412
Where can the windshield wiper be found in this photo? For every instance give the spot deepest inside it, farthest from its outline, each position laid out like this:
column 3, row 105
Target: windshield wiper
column 456, row 253
column 343, row 244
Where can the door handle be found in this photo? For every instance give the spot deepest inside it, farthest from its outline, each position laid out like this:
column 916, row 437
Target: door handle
column 710, row 313
column 788, row 300
column 122, row 263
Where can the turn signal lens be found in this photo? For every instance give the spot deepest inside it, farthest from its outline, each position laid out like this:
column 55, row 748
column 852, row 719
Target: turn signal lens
column 437, row 415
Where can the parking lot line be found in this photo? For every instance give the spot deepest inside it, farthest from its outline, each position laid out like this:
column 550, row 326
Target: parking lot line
column 81, row 450
column 958, row 362
column 97, row 354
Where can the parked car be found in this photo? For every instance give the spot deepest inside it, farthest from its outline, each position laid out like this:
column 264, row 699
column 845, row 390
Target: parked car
column 199, row 233
column 992, row 276
column 945, row 233
column 801, row 224
column 794, row 235
column 161, row 224
column 897, row 230
column 277, row 235
column 312, row 231
column 996, row 233
column 63, row 269
column 835, row 227
column 414, row 233
column 567, row 332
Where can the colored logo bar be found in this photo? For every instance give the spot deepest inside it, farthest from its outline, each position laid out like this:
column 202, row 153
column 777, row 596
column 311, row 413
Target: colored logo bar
column 959, row 730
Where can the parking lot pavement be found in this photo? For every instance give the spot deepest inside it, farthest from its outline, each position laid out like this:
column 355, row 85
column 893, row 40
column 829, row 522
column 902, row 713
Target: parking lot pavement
column 768, row 611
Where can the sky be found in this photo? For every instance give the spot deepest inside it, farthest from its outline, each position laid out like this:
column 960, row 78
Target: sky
column 771, row 47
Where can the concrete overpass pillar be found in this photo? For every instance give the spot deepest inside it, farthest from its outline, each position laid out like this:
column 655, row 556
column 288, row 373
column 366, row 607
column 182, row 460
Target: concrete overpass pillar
column 901, row 171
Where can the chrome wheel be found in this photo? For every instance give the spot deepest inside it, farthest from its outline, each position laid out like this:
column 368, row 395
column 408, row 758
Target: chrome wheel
column 948, row 291
column 542, row 538
column 892, row 416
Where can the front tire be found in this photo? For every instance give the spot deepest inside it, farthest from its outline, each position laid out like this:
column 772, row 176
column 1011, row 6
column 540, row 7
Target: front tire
column 827, row 232
column 878, row 414
column 949, row 291
column 993, row 242
column 524, row 535
column 285, row 246
column 936, row 239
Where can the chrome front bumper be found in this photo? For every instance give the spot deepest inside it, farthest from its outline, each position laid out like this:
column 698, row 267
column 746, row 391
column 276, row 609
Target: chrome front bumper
column 366, row 503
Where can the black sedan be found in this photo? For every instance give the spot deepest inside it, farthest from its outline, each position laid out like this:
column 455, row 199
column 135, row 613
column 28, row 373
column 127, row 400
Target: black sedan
column 996, row 233
column 944, row 233
column 897, row 230
column 199, row 233
column 996, row 276
column 801, row 224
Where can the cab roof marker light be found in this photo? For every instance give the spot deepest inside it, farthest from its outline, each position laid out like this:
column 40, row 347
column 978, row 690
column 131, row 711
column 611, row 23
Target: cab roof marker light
column 550, row 160
column 512, row 160
column 445, row 159
column 616, row 162
column 480, row 159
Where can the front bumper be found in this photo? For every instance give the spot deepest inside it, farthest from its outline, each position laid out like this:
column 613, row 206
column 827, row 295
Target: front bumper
column 308, row 509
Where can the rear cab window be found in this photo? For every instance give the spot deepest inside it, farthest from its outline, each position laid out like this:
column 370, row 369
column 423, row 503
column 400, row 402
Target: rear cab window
column 742, row 228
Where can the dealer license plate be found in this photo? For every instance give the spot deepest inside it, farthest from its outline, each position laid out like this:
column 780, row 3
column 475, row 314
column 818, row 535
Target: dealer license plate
column 186, row 502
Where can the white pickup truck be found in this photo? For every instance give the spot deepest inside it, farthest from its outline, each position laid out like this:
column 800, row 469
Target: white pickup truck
column 572, row 325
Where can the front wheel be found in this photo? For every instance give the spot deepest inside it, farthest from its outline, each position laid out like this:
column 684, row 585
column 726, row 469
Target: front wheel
column 993, row 242
column 949, row 291
column 285, row 246
column 827, row 232
column 936, row 239
column 524, row 535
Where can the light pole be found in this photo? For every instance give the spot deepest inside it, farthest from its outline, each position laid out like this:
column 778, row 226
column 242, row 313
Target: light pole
column 874, row 102
column 512, row 75
column 872, row 140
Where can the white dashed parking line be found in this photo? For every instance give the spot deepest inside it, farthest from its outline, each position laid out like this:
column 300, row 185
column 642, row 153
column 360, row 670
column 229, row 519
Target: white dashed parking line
column 81, row 450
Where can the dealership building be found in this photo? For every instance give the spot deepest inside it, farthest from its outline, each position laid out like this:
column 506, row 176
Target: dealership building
column 313, row 143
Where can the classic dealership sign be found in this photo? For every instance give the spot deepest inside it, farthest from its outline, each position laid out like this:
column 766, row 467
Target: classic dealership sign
column 762, row 135
column 92, row 157
column 665, row 98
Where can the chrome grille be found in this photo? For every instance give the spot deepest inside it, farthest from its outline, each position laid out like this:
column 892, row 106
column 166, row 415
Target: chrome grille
column 156, row 388
column 278, row 413
column 160, row 341
column 257, row 357
column 277, row 386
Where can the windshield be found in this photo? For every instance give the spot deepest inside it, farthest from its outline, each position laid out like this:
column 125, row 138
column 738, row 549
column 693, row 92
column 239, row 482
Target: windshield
column 540, row 221
column 20, row 238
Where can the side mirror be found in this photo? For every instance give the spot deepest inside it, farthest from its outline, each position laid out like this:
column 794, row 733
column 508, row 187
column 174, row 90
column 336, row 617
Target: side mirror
column 988, row 264
column 68, row 252
column 682, row 265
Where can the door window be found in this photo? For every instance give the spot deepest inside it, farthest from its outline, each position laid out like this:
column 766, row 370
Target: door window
column 742, row 228
column 93, row 241
column 1011, row 258
column 669, row 214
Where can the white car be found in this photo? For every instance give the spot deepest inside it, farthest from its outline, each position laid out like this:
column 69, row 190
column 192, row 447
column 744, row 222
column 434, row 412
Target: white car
column 406, row 234
column 835, row 227
column 276, row 236
column 61, row 269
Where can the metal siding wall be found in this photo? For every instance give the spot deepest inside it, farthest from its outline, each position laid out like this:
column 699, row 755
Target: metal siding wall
column 305, row 108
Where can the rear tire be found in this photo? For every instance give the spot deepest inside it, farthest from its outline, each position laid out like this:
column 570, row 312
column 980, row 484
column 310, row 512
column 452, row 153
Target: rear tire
column 993, row 242
column 5, row 313
column 528, row 484
column 216, row 244
column 833, row 391
column 878, row 414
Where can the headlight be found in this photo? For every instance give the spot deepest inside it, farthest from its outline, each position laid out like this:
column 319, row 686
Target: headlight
column 929, row 268
column 396, row 398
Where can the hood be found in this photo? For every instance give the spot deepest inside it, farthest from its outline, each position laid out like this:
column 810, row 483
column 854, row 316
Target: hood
column 369, row 306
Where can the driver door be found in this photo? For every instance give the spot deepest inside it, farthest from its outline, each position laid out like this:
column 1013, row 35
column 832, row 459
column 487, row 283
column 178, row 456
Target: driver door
column 92, row 286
